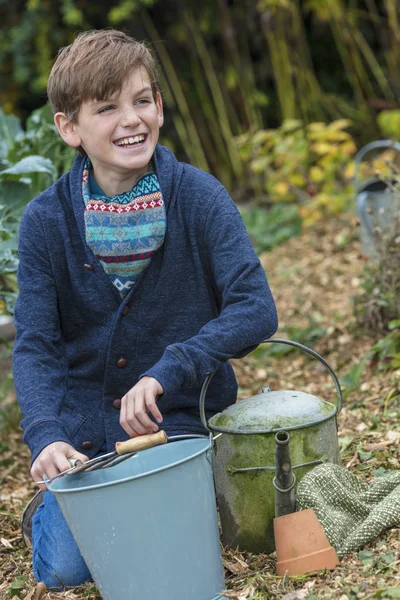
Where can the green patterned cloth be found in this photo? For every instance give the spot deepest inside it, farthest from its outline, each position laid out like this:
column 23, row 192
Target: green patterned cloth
column 352, row 513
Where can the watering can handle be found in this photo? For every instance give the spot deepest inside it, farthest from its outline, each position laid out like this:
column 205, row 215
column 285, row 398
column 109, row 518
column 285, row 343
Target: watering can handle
column 372, row 146
column 312, row 353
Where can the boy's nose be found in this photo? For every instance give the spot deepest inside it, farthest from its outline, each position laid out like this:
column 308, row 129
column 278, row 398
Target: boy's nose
column 129, row 117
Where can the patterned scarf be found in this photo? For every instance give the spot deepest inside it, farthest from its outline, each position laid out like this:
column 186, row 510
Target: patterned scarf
column 124, row 231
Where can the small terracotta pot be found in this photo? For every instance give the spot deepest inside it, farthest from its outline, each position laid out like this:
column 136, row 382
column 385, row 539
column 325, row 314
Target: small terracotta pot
column 301, row 544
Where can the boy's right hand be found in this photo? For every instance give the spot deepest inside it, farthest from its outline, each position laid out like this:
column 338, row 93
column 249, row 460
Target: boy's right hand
column 52, row 460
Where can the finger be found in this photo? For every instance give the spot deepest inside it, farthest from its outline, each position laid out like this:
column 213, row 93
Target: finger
column 136, row 412
column 61, row 463
column 49, row 471
column 153, row 409
column 77, row 456
column 142, row 410
column 130, row 430
column 36, row 476
column 123, row 419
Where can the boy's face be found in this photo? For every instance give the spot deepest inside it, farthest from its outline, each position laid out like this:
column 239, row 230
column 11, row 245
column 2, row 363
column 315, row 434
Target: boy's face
column 120, row 134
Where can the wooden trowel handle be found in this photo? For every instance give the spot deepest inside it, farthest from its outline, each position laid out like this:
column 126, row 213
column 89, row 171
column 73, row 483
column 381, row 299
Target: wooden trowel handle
column 141, row 442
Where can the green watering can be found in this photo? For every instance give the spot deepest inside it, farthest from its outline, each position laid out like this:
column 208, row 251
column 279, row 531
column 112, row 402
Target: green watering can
column 244, row 455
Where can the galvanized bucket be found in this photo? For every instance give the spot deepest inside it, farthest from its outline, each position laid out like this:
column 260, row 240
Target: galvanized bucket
column 147, row 527
column 244, row 455
column 374, row 199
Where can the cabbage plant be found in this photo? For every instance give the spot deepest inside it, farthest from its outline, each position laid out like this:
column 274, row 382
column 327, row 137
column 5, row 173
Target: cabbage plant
column 26, row 169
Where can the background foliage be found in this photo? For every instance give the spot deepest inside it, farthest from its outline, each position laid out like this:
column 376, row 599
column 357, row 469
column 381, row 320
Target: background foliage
column 25, row 170
column 228, row 67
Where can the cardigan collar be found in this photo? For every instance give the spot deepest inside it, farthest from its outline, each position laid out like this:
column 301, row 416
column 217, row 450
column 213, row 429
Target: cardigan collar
column 167, row 169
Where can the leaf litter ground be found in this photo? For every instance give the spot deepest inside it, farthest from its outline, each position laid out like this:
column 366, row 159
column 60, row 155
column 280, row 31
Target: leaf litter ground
column 314, row 279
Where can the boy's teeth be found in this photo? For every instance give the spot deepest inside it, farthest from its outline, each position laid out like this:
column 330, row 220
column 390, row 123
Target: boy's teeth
column 131, row 140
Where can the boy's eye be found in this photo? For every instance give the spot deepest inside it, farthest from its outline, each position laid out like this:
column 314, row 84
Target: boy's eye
column 105, row 109
column 143, row 101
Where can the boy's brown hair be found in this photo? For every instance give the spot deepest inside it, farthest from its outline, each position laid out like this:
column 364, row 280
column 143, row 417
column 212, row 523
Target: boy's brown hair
column 94, row 67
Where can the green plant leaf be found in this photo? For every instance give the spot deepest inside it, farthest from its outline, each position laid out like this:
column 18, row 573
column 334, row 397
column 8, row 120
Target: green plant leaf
column 352, row 379
column 15, row 195
column 366, row 557
column 380, row 471
column 17, row 585
column 364, row 456
column 10, row 128
column 388, row 558
column 389, row 122
column 392, row 592
column 38, row 118
column 269, row 228
column 31, row 164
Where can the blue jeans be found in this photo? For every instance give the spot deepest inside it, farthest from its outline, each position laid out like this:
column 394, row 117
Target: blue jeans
column 56, row 558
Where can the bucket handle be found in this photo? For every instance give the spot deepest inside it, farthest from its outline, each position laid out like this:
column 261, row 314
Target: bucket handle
column 339, row 403
column 372, row 146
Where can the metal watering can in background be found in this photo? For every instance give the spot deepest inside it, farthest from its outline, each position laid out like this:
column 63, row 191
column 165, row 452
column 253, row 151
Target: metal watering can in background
column 375, row 201
column 245, row 455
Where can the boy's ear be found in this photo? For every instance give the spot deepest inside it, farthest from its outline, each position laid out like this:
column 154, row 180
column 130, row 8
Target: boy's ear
column 67, row 130
column 160, row 110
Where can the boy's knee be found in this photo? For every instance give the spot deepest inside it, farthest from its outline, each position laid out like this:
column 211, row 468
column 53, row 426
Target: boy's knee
column 56, row 558
column 64, row 571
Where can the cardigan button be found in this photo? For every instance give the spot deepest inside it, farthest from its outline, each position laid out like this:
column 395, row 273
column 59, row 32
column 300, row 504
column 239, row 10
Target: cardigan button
column 88, row 267
column 117, row 403
column 87, row 445
column 122, row 362
column 125, row 310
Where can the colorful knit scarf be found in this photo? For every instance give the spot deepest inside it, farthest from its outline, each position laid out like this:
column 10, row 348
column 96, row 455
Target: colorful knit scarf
column 124, row 231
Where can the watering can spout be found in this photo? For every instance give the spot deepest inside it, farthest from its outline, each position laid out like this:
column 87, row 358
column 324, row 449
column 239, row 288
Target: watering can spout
column 285, row 480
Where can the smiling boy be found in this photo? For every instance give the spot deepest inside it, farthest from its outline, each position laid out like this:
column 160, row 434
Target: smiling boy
column 136, row 280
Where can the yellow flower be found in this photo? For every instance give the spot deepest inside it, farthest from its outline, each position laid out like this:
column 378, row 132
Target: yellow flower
column 281, row 188
column 297, row 180
column 349, row 171
column 316, row 174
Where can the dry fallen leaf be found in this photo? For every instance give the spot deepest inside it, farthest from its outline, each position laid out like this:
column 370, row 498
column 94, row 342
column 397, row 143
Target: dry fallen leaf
column 352, row 460
column 233, row 567
column 298, row 595
column 248, row 591
column 37, row 593
column 378, row 446
column 393, row 436
column 361, row 427
column 19, row 494
column 241, row 562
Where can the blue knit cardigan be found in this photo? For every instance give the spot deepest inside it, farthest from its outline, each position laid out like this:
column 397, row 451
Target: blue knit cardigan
column 203, row 299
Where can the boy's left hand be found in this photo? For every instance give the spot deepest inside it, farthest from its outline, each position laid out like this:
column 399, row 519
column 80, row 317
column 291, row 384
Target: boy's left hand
column 137, row 403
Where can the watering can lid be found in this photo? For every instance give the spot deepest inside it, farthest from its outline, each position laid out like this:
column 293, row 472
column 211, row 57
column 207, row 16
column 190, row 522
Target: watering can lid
column 273, row 411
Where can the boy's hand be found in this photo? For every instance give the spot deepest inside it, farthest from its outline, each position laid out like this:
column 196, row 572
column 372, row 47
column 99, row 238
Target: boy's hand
column 140, row 400
column 53, row 460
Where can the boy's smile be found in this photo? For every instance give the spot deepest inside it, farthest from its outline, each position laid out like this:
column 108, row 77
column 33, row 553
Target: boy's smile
column 118, row 134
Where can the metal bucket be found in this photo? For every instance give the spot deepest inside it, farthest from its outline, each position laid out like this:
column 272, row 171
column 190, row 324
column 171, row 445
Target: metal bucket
column 147, row 527
column 374, row 198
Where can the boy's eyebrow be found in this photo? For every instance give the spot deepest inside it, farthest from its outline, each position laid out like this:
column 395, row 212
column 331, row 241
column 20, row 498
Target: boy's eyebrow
column 144, row 89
